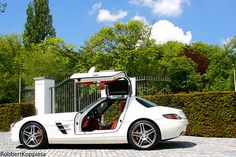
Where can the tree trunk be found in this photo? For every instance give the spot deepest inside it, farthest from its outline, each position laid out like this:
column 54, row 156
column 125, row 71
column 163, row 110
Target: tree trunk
column 234, row 80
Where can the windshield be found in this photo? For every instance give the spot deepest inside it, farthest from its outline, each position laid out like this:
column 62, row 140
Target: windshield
column 84, row 109
column 145, row 102
column 87, row 107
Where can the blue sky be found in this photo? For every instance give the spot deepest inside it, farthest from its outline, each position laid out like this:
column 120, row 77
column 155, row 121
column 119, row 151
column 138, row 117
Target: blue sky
column 209, row 21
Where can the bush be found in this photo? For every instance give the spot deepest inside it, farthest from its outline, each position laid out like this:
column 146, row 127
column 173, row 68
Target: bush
column 211, row 114
column 10, row 113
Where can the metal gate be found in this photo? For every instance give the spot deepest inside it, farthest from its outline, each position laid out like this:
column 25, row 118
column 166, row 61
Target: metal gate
column 68, row 96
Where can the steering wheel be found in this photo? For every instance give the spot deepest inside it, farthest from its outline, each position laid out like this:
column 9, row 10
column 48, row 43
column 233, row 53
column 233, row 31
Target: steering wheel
column 93, row 115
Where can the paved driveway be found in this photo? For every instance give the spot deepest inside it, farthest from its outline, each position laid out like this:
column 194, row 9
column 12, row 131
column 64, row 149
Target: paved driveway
column 185, row 146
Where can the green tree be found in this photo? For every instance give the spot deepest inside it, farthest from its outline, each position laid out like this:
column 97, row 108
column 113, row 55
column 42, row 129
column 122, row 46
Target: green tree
column 168, row 51
column 183, row 75
column 3, row 7
column 230, row 47
column 219, row 75
column 127, row 46
column 116, row 47
column 181, row 70
column 38, row 26
column 49, row 59
column 10, row 67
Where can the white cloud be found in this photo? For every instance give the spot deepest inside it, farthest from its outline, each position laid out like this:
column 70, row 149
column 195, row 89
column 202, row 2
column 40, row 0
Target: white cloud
column 164, row 31
column 140, row 18
column 106, row 15
column 95, row 8
column 170, row 8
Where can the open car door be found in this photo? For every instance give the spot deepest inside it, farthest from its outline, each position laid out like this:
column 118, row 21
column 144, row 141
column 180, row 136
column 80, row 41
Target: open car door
column 117, row 86
column 114, row 82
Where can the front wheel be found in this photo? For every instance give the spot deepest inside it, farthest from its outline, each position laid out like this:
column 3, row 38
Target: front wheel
column 33, row 135
column 143, row 135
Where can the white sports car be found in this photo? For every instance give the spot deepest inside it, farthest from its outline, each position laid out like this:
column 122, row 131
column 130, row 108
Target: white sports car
column 118, row 117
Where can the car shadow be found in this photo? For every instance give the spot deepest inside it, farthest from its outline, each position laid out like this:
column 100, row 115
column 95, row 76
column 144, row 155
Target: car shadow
column 175, row 145
column 160, row 146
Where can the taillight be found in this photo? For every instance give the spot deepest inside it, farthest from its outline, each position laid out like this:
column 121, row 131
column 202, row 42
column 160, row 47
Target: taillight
column 172, row 116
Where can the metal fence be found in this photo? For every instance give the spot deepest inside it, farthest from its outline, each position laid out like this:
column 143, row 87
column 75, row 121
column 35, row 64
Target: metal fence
column 150, row 85
column 68, row 96
column 64, row 96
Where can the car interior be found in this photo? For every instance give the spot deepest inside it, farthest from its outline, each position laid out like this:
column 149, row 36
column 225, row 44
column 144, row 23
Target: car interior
column 105, row 115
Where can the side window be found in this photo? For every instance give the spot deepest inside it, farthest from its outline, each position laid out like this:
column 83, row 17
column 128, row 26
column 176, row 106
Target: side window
column 146, row 103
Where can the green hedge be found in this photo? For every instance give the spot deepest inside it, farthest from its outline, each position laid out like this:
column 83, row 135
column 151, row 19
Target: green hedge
column 211, row 114
column 10, row 113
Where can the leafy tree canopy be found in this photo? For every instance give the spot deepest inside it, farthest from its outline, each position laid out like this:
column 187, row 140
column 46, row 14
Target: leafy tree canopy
column 123, row 46
column 38, row 26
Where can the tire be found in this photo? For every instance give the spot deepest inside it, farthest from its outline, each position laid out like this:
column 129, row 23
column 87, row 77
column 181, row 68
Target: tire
column 143, row 135
column 33, row 136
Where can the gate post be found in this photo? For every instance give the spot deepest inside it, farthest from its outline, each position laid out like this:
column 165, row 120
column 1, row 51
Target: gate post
column 43, row 95
column 75, row 97
column 133, row 84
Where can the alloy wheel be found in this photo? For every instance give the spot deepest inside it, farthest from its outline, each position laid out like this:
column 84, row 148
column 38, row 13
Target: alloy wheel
column 32, row 135
column 143, row 135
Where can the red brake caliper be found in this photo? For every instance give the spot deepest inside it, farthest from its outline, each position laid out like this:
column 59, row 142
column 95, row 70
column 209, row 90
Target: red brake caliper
column 38, row 138
column 137, row 138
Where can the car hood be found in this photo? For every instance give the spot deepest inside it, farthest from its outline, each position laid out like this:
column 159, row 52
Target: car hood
column 49, row 119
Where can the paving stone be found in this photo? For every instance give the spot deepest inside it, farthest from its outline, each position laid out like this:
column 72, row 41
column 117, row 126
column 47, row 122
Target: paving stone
column 184, row 146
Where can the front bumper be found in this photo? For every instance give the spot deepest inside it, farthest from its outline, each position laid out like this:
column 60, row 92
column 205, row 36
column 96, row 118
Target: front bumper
column 15, row 134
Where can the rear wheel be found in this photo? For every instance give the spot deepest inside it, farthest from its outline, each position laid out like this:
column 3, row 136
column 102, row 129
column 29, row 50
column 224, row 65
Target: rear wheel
column 33, row 135
column 143, row 135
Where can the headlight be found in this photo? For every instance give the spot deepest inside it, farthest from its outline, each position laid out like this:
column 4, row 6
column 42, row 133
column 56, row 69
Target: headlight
column 12, row 124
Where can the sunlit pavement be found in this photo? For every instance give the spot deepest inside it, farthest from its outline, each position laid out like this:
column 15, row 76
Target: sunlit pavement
column 185, row 146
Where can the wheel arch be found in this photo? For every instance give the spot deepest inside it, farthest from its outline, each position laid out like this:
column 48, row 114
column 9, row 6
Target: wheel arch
column 147, row 119
column 20, row 139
